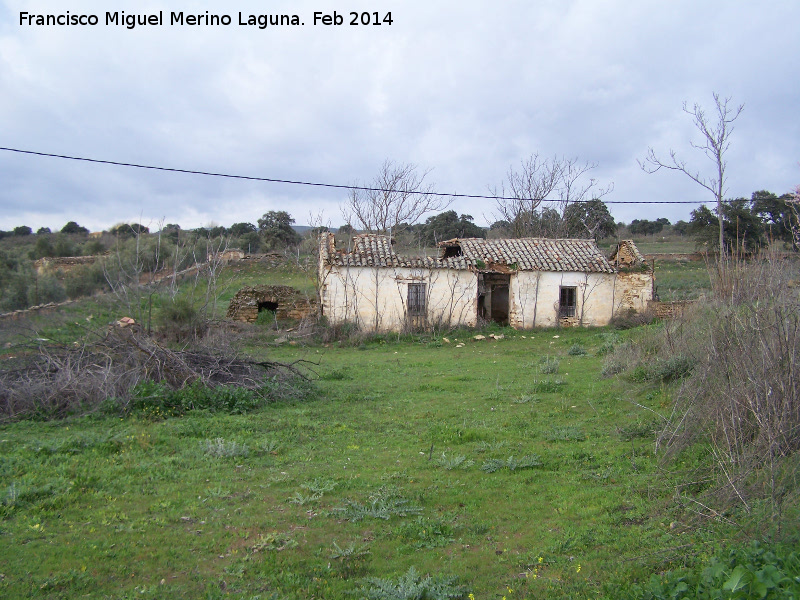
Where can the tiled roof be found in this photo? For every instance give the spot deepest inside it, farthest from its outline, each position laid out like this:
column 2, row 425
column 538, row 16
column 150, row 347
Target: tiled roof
column 536, row 254
column 525, row 254
column 371, row 249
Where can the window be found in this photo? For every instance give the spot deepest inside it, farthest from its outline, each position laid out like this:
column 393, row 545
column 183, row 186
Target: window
column 416, row 299
column 566, row 302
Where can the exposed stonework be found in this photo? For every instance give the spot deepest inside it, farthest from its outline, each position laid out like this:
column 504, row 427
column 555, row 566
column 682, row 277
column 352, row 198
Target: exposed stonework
column 64, row 263
column 38, row 309
column 634, row 290
column 671, row 310
column 678, row 256
column 626, row 254
column 287, row 302
column 227, row 256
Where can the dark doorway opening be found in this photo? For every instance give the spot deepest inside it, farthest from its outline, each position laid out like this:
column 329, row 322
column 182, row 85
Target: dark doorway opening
column 268, row 314
column 493, row 297
column 270, row 306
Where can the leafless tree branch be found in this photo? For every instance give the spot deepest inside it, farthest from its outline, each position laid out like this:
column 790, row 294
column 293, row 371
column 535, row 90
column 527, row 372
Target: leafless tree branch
column 519, row 198
column 716, row 131
column 401, row 196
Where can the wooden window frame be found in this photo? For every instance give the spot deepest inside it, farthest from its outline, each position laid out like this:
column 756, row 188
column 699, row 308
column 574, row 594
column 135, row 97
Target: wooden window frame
column 567, row 301
column 416, row 299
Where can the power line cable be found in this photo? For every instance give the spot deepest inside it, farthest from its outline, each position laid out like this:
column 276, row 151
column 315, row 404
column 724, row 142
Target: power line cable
column 317, row 184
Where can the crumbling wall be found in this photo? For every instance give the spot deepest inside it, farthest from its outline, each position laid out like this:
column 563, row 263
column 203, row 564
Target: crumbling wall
column 670, row 310
column 64, row 263
column 633, row 291
column 288, row 303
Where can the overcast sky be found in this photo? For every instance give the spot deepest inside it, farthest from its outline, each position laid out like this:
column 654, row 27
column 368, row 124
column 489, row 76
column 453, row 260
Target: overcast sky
column 466, row 88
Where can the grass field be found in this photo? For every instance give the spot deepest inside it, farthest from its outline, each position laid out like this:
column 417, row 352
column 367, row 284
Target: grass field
column 510, row 464
column 681, row 280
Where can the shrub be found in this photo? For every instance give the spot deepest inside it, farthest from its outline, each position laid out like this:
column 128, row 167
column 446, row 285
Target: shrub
column 512, row 464
column 630, row 318
column 219, row 448
column 565, row 434
column 548, row 365
column 50, row 290
column 344, row 331
column 610, row 341
column 743, row 573
column 735, row 358
column 123, row 370
column 547, row 386
column 157, row 400
column 411, row 587
column 576, row 350
column 180, row 321
column 673, row 368
column 84, row 280
column 351, row 560
column 425, row 533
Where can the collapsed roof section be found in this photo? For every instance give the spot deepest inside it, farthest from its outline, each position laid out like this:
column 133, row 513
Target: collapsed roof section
column 375, row 250
column 627, row 254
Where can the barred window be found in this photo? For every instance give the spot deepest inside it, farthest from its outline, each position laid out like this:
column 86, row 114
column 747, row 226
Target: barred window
column 416, row 298
column 567, row 301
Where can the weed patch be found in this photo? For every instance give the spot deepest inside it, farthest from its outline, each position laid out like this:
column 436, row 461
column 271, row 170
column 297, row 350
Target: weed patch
column 744, row 573
column 512, row 464
column 276, row 542
column 455, row 462
column 422, row 533
column 568, row 433
column 548, row 365
column 219, row 448
column 547, row 386
column 411, row 586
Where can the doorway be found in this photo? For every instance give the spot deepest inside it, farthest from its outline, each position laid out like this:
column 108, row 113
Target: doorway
column 493, row 297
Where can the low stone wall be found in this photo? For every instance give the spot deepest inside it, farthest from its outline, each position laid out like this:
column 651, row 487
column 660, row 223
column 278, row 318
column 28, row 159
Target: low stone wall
column 65, row 263
column 286, row 301
column 678, row 256
column 39, row 308
column 670, row 310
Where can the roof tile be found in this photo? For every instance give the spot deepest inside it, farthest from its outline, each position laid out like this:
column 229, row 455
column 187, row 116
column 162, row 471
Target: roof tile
column 526, row 254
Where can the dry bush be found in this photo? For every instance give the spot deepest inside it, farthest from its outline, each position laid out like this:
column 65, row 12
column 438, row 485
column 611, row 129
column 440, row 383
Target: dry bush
column 52, row 381
column 743, row 395
column 631, row 318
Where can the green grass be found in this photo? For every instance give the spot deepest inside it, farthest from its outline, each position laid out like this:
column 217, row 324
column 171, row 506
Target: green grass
column 243, row 274
column 657, row 244
column 259, row 505
column 682, row 280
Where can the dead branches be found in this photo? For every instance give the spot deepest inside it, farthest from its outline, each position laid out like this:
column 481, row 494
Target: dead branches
column 52, row 380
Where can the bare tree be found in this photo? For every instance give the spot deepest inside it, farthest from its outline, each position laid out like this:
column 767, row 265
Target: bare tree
column 716, row 131
column 397, row 196
column 562, row 181
column 794, row 204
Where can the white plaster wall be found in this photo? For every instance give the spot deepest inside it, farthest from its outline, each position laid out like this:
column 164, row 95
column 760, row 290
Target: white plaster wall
column 375, row 298
column 535, row 298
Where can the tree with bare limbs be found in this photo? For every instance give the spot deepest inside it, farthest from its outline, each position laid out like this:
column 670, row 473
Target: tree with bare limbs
column 398, row 196
column 793, row 201
column 716, row 131
column 562, row 181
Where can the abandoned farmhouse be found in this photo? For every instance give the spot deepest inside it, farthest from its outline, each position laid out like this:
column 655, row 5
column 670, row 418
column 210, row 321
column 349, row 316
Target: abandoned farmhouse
column 525, row 283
